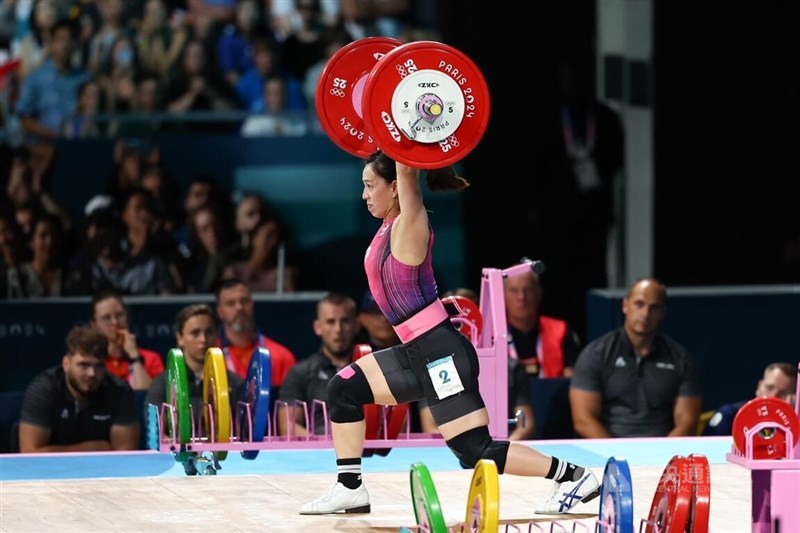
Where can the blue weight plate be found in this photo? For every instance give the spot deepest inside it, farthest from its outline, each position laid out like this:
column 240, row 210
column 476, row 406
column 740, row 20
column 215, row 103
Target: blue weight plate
column 616, row 496
column 256, row 393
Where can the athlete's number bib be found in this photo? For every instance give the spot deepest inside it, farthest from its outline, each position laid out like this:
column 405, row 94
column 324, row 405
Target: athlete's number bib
column 445, row 377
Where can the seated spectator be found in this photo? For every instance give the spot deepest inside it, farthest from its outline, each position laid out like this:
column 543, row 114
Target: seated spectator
column 48, row 94
column 82, row 123
column 250, row 87
column 195, row 333
column 234, row 48
column 203, row 255
column 34, row 45
column 545, row 346
column 100, row 219
column 779, row 381
column 116, row 78
column 193, row 87
column 307, row 381
column 125, row 360
column 78, row 406
column 146, row 102
column 202, row 191
column 262, row 269
column 159, row 44
column 111, row 27
column 275, row 121
column 239, row 336
column 636, row 381
column 43, row 276
column 147, row 268
column 11, row 254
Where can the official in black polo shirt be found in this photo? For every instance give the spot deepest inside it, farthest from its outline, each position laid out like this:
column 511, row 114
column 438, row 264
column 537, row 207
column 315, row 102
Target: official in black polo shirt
column 78, row 406
column 308, row 379
column 636, row 381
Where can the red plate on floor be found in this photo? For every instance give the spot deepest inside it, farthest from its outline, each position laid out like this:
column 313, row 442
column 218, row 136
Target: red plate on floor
column 672, row 502
column 701, row 494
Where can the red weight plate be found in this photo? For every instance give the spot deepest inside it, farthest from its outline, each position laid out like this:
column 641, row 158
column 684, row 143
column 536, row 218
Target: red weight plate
column 701, row 494
column 767, row 444
column 416, row 75
column 360, row 350
column 338, row 97
column 467, row 309
column 669, row 512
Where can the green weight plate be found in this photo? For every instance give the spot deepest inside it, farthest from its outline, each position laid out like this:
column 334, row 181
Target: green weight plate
column 177, row 388
column 427, row 510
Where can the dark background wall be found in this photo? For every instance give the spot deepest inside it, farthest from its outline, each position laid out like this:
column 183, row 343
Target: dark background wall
column 726, row 107
column 726, row 137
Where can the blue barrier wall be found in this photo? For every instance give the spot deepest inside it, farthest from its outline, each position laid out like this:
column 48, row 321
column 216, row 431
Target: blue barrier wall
column 32, row 333
column 733, row 332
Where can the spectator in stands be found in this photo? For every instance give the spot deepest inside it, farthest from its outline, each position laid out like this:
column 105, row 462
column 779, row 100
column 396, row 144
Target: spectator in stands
column 49, row 92
column 191, row 86
column 195, row 333
column 111, row 28
column 203, row 261
column 636, row 381
column 130, row 156
column 83, row 123
column 250, row 87
column 10, row 250
column 34, row 47
column 165, row 191
column 201, row 191
column 78, row 406
column 250, row 211
column 147, row 101
column 235, row 46
column 126, row 359
column 545, row 346
column 263, row 270
column 147, row 268
column 275, row 120
column 27, row 189
column 118, row 73
column 304, row 45
column 307, row 381
column 334, row 40
column 42, row 276
column 158, row 43
column 779, row 381
column 239, row 336
column 99, row 220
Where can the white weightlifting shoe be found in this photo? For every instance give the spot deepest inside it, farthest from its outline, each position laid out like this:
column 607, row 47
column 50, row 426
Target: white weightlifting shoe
column 568, row 494
column 339, row 498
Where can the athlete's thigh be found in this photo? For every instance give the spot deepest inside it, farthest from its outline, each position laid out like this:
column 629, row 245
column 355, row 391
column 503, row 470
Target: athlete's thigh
column 390, row 376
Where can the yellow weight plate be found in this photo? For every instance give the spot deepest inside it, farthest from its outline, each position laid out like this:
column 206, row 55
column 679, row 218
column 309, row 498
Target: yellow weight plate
column 483, row 504
column 215, row 393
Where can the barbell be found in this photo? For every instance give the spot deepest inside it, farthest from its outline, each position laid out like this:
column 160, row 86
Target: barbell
column 422, row 103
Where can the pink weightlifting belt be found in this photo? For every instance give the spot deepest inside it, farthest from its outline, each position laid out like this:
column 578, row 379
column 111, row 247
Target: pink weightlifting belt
column 422, row 322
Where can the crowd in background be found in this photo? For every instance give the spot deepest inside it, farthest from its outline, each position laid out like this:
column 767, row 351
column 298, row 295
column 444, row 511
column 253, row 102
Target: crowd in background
column 68, row 61
column 87, row 68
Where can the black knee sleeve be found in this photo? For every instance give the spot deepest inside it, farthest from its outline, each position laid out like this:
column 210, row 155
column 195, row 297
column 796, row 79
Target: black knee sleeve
column 347, row 395
column 476, row 444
